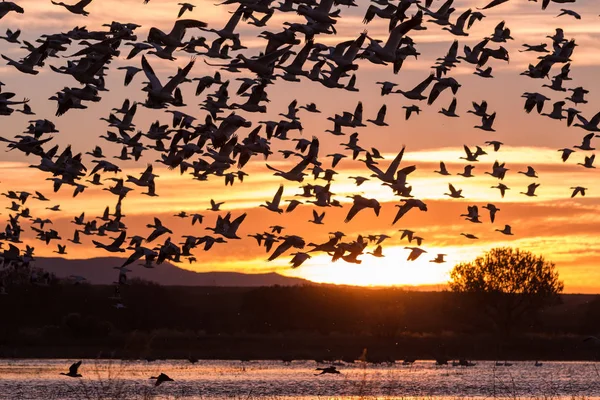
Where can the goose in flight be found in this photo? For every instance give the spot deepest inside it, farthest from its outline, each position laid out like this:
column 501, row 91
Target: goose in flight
column 159, row 229
column 564, row 11
column 317, row 219
column 311, row 107
column 458, row 28
column 408, row 205
column 472, row 156
column 416, row 93
column 438, row 259
column 506, row 231
column 386, row 87
column 290, row 241
column 227, row 228
column 389, row 52
column 531, row 190
column 378, row 252
column 299, row 259
column 359, row 180
column 578, row 190
column 160, row 379
column 578, row 96
column 557, row 111
column 588, row 161
column 415, row 252
column 410, row 110
column 73, row 370
column 12, row 37
column 591, row 125
column 496, row 144
column 360, row 203
column 75, row 239
column 498, row 170
column 274, row 204
column 327, row 370
column 502, row 187
column 472, row 214
column 539, row 48
column 196, row 218
column 39, row 196
column 530, row 172
column 62, row 249
column 566, row 153
column 185, row 7
column 492, row 210
column 380, row 120
column 455, row 194
column 115, row 246
column 228, row 32
column 8, row 6
column 295, row 174
column 390, row 175
column 406, row 233
column 130, row 73
column 77, row 8
column 486, row 123
column 175, row 37
column 159, row 95
column 451, row 110
column 479, row 109
column 292, row 205
column 27, row 65
column 586, row 143
column 441, row 85
column 469, row 236
column 467, row 173
column 443, row 170
column 215, row 206
column 484, row 73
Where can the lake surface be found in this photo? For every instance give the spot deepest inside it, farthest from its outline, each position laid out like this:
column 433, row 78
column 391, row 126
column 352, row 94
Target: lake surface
column 105, row 379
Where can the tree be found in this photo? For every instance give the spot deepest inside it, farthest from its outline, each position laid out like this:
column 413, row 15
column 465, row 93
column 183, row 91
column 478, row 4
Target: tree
column 508, row 285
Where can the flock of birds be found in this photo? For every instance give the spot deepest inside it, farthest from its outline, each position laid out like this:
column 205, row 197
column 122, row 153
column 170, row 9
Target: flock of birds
column 222, row 142
column 330, row 369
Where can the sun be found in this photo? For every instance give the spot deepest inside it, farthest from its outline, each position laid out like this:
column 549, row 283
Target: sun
column 393, row 269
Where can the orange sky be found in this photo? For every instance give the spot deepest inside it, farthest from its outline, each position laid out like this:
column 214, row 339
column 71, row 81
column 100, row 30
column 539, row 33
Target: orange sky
column 564, row 230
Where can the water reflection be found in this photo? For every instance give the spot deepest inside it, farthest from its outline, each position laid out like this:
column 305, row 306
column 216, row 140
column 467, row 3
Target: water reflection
column 40, row 379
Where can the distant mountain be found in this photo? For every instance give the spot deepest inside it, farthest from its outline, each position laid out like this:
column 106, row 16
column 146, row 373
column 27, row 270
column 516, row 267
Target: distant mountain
column 100, row 271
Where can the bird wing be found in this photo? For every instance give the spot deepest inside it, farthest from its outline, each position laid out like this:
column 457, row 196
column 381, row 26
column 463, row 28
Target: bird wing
column 282, row 248
column 595, row 120
column 74, row 367
column 83, row 3
column 398, row 32
column 154, row 82
column 179, row 77
column 401, row 212
column 120, row 240
column 423, row 85
column 391, row 171
column 381, row 113
column 277, row 197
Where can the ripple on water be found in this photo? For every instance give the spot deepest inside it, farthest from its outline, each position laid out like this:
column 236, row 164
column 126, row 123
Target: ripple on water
column 41, row 379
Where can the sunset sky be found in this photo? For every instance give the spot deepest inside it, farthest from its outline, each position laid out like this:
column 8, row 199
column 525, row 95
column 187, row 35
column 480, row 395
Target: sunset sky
column 564, row 230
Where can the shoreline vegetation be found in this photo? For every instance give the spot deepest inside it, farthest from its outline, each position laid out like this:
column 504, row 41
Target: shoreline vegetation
column 283, row 323
column 175, row 345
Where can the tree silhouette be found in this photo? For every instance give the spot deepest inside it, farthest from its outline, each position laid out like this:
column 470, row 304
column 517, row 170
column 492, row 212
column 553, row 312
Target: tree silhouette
column 507, row 285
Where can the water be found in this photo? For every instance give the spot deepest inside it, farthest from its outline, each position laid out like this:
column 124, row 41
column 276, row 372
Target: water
column 105, row 379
